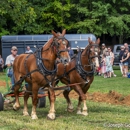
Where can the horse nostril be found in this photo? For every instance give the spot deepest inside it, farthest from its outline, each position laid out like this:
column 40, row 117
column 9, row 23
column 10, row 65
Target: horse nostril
column 65, row 60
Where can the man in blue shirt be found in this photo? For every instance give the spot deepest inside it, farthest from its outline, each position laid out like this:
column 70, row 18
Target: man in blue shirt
column 71, row 52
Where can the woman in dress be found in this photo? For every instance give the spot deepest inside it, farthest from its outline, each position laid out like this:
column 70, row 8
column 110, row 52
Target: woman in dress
column 103, row 68
column 108, row 64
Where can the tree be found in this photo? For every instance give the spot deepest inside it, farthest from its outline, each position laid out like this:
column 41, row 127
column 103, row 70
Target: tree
column 77, row 16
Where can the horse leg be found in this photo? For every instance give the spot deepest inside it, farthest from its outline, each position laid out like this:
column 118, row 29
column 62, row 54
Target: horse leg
column 84, row 111
column 51, row 95
column 79, row 107
column 16, row 105
column 82, row 99
column 70, row 107
column 26, row 96
column 35, row 89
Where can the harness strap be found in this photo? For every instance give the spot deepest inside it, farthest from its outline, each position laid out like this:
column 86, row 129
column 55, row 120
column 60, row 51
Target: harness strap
column 65, row 75
column 25, row 76
column 25, row 64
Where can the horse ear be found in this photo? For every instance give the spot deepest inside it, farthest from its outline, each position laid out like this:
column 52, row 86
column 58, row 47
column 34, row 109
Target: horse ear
column 63, row 32
column 89, row 40
column 55, row 34
column 50, row 40
column 98, row 41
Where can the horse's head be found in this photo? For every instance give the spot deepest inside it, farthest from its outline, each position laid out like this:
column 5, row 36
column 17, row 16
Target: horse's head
column 60, row 44
column 94, row 52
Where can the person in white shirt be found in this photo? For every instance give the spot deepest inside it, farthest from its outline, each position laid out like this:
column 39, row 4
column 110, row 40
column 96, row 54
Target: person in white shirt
column 9, row 63
column 28, row 50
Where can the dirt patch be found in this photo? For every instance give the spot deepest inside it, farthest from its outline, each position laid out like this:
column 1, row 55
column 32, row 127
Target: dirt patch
column 111, row 97
column 2, row 84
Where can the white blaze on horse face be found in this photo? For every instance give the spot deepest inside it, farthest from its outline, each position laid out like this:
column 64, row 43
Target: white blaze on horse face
column 69, row 59
column 96, row 60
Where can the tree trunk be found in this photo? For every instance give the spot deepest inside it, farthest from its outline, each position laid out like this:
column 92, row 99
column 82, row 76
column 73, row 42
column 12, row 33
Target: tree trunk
column 114, row 41
column 121, row 39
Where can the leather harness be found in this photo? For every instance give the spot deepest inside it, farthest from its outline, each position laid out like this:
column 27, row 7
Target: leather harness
column 79, row 67
column 40, row 66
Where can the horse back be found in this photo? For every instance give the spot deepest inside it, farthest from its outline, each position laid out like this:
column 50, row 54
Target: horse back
column 24, row 62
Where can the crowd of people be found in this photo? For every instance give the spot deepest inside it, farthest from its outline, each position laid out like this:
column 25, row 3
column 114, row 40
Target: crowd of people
column 106, row 63
column 107, row 59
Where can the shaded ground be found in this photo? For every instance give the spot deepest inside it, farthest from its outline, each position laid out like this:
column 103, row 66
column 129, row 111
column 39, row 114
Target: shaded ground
column 111, row 97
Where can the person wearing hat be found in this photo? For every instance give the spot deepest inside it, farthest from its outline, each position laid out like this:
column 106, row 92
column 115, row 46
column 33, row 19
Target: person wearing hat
column 9, row 63
column 103, row 49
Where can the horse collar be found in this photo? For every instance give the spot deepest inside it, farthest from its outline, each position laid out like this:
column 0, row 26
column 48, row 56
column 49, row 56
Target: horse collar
column 41, row 67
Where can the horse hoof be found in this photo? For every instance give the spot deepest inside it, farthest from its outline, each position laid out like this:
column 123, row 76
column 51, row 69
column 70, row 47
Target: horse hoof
column 51, row 116
column 34, row 117
column 15, row 107
column 84, row 113
column 79, row 112
column 70, row 110
column 25, row 114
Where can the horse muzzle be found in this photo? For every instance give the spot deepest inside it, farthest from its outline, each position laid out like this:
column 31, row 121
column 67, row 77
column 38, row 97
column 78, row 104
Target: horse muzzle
column 64, row 60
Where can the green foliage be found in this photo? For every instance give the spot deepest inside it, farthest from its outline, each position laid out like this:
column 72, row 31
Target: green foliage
column 78, row 16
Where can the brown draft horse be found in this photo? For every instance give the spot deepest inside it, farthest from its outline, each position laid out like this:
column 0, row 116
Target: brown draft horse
column 38, row 70
column 80, row 71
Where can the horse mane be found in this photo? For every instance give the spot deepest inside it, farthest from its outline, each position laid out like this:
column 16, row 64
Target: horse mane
column 85, row 50
column 49, row 41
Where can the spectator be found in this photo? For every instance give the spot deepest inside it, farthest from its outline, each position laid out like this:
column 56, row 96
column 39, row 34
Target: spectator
column 103, row 61
column 1, row 63
column 126, row 46
column 112, row 60
column 108, row 64
column 103, row 52
column 103, row 49
column 9, row 62
column 28, row 50
column 71, row 52
column 125, row 61
column 120, row 58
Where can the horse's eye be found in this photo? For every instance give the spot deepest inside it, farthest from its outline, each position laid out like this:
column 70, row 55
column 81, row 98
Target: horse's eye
column 58, row 44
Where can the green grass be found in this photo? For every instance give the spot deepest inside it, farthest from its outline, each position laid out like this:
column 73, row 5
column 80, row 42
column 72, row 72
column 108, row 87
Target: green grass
column 2, row 76
column 102, row 116
column 118, row 84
